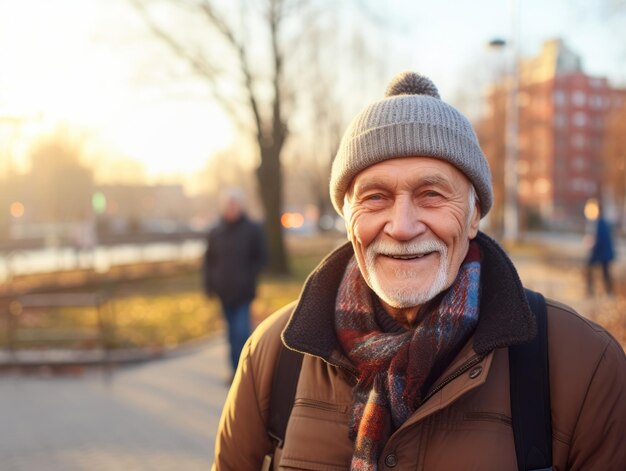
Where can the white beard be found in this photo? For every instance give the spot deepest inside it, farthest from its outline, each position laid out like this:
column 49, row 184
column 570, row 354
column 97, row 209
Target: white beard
column 406, row 296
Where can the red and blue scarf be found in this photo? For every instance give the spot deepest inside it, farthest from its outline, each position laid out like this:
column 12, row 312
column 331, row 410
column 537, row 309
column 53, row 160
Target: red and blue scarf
column 395, row 368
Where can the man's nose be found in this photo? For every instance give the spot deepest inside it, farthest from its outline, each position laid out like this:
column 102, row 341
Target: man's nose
column 404, row 220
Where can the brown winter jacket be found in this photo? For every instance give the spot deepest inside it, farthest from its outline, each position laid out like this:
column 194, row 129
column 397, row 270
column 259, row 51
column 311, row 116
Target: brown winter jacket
column 465, row 421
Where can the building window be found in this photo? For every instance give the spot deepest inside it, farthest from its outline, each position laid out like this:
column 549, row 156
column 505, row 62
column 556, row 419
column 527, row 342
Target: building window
column 584, row 186
column 579, row 163
column 559, row 98
column 579, row 118
column 596, row 102
column 579, row 141
column 579, row 98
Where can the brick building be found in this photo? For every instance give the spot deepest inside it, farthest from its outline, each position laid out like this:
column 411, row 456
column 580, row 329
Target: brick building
column 562, row 137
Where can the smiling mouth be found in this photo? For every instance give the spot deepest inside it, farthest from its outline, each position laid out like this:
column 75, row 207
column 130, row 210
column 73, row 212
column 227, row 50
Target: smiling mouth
column 408, row 256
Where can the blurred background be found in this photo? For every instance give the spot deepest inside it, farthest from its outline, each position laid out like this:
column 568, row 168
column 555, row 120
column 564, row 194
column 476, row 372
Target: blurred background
column 121, row 120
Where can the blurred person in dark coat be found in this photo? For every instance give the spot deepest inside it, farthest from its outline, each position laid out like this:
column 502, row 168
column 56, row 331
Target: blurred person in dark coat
column 234, row 257
column 601, row 253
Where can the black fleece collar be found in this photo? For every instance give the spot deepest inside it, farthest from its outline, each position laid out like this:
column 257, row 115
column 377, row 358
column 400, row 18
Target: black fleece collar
column 505, row 316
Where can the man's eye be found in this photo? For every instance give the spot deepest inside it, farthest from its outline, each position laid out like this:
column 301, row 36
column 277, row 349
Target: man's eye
column 375, row 197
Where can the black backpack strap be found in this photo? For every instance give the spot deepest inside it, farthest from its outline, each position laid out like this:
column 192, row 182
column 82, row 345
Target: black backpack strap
column 530, row 394
column 283, row 393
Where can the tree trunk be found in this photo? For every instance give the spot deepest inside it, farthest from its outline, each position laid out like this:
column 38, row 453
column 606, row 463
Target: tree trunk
column 270, row 179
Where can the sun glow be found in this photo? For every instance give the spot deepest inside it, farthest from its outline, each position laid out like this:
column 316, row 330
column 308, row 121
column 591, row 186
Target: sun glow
column 92, row 67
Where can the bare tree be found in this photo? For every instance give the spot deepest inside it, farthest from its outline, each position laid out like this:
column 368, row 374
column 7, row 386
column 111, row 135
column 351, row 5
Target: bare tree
column 326, row 116
column 249, row 70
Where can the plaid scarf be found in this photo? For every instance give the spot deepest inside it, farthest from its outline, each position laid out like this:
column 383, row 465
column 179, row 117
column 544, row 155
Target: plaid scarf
column 396, row 368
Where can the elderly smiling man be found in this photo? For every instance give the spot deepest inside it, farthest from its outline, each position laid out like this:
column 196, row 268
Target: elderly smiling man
column 406, row 331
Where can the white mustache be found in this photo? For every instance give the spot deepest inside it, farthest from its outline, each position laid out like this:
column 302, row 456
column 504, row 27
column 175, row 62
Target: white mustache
column 380, row 247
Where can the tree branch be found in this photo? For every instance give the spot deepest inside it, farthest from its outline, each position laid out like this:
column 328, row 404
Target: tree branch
column 279, row 127
column 229, row 35
column 210, row 73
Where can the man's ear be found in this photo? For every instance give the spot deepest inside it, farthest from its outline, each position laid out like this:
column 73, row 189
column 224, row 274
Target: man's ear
column 346, row 215
column 474, row 222
column 348, row 229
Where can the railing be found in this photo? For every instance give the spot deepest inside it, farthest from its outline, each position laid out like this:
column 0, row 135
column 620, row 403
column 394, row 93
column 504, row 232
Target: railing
column 31, row 329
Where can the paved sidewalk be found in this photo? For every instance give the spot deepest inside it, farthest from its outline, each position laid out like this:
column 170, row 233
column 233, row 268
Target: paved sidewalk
column 554, row 280
column 564, row 281
column 157, row 416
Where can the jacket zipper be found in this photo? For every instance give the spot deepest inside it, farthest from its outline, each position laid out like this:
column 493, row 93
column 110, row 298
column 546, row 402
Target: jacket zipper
column 462, row 369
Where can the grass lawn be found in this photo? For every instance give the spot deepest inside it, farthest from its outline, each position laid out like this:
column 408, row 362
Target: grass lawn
column 169, row 308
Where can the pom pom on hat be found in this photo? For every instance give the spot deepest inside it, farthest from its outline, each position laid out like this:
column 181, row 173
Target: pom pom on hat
column 411, row 83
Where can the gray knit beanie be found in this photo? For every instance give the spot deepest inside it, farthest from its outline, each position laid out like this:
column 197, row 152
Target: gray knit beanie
column 410, row 121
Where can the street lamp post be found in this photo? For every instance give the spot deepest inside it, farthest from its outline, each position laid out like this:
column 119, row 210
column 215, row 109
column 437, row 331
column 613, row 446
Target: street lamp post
column 511, row 212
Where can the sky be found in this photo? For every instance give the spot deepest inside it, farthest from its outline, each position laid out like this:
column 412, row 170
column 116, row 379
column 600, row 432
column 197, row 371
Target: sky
column 90, row 64
column 93, row 66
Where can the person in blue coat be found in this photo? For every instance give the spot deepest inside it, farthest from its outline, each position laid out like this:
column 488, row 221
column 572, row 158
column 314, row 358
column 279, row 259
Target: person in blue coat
column 601, row 253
